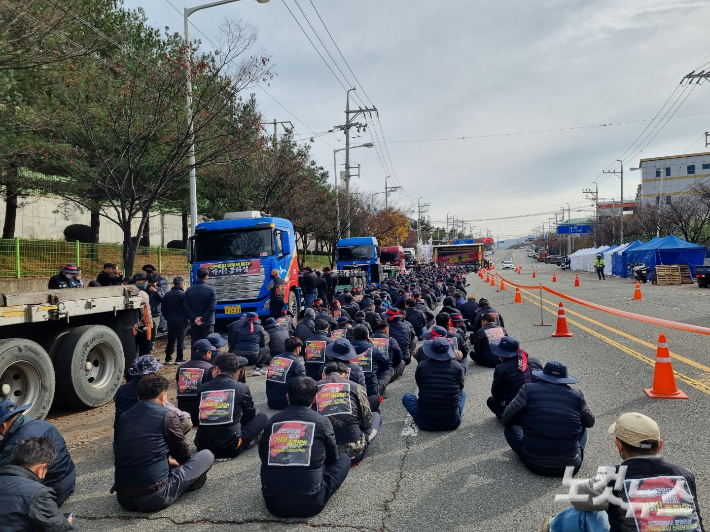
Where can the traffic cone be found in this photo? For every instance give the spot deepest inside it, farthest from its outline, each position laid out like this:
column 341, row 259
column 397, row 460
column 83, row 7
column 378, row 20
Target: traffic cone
column 502, row 284
column 562, row 330
column 493, row 280
column 488, row 277
column 518, row 297
column 576, row 279
column 554, row 277
column 637, row 293
column 534, row 274
column 664, row 386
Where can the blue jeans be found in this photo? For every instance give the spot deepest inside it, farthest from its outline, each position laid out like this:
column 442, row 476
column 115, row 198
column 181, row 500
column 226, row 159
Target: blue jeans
column 573, row 520
column 411, row 404
column 309, row 299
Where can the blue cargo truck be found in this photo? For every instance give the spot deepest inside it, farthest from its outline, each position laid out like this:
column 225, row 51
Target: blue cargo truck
column 358, row 261
column 240, row 251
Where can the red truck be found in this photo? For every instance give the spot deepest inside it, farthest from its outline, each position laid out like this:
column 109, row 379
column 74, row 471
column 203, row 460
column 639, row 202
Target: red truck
column 392, row 256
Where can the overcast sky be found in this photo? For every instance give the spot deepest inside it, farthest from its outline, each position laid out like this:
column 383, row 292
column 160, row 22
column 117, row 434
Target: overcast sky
column 473, row 68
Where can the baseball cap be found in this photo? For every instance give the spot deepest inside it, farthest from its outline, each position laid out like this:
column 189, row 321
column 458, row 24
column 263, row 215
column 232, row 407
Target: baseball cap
column 633, row 428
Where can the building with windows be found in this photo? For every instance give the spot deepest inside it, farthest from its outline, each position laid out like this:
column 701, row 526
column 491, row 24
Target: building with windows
column 665, row 177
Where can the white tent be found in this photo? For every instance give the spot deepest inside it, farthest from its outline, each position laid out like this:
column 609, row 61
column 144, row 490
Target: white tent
column 575, row 258
column 607, row 255
column 589, row 258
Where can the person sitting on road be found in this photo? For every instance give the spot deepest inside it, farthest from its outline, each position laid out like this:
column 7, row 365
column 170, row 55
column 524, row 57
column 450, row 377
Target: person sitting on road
column 283, row 369
column 488, row 336
column 638, row 440
column 377, row 371
column 342, row 350
column 350, row 307
column 219, row 341
column 303, row 440
column 439, row 331
column 69, row 276
column 415, row 317
column 345, row 323
column 278, row 333
column 382, row 333
column 307, row 327
column 190, row 376
column 441, row 395
column 402, row 332
column 515, row 369
column 16, row 427
column 484, row 307
column 229, row 423
column 27, row 503
column 153, row 461
column 546, row 423
column 248, row 339
column 313, row 350
column 469, row 309
column 458, row 327
column 360, row 320
column 347, row 406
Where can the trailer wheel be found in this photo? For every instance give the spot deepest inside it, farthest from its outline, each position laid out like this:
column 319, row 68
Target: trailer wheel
column 26, row 375
column 89, row 363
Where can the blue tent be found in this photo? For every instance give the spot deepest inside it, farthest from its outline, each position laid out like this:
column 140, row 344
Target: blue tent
column 637, row 254
column 672, row 250
column 619, row 259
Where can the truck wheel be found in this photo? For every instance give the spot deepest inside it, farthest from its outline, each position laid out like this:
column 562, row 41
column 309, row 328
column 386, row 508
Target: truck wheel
column 293, row 303
column 26, row 375
column 89, row 364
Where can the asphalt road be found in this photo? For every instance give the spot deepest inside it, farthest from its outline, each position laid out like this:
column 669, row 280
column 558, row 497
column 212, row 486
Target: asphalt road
column 467, row 479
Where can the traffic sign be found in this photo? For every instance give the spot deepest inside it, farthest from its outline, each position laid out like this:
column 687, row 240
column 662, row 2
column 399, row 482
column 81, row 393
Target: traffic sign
column 574, row 229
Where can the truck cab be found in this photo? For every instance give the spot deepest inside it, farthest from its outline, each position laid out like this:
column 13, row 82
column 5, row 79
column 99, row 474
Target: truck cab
column 240, row 251
column 392, row 256
column 409, row 256
column 359, row 254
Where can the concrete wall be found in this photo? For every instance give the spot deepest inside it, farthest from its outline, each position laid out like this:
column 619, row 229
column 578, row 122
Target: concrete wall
column 45, row 217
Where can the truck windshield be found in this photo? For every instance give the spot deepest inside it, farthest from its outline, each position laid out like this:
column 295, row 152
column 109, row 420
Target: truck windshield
column 212, row 246
column 363, row 252
column 408, row 256
column 389, row 256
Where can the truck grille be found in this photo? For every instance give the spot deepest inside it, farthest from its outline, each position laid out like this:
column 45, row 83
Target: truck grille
column 237, row 287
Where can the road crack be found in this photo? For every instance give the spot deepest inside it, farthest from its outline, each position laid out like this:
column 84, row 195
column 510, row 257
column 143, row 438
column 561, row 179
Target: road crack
column 386, row 507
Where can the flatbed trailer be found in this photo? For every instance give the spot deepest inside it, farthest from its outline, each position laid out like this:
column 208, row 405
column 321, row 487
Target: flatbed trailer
column 68, row 347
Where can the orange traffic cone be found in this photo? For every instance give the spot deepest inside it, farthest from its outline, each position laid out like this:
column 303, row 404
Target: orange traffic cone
column 502, row 284
column 576, row 279
column 637, row 293
column 664, row 386
column 488, row 277
column 518, row 297
column 534, row 274
column 562, row 330
column 554, row 277
column 493, row 280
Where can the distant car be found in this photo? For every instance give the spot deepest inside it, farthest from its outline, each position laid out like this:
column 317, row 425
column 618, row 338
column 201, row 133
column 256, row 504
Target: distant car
column 551, row 259
column 508, row 264
column 530, row 253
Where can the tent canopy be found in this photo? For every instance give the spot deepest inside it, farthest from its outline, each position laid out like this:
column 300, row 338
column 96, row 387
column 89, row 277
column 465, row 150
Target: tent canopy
column 670, row 250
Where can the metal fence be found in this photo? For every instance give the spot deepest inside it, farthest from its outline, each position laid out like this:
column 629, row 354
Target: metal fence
column 42, row 258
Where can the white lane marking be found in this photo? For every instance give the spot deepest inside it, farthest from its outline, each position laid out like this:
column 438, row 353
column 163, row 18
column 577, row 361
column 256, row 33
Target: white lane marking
column 410, row 427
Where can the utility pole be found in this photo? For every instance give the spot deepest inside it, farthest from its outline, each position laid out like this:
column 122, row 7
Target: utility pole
column 595, row 197
column 420, row 206
column 621, row 175
column 388, row 191
column 350, row 117
column 275, row 124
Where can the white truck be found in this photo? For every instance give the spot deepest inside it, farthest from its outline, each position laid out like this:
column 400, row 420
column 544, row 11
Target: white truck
column 66, row 346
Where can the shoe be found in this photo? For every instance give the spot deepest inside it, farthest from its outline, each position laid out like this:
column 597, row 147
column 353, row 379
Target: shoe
column 546, row 525
column 179, row 361
column 168, row 361
column 255, row 440
column 198, row 483
column 257, row 372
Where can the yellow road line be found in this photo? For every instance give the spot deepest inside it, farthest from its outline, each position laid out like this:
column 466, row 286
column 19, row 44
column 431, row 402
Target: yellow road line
column 695, row 383
column 681, row 358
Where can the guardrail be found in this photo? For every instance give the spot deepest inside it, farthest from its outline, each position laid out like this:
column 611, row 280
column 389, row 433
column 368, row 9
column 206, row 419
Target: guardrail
column 42, row 258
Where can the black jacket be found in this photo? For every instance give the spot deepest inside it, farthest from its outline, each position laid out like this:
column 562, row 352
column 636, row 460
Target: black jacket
column 393, row 350
column 297, row 485
column 27, row 504
column 416, row 319
column 277, row 338
column 507, row 378
column 309, row 283
column 553, row 417
column 106, row 279
column 332, row 282
column 155, row 298
column 188, row 399
column 481, row 312
column 62, row 281
column 348, row 426
column 305, row 330
column 440, row 384
column 241, row 338
column 200, row 302
column 313, row 364
column 403, row 334
column 469, row 309
column 277, row 295
column 482, row 344
column 322, row 288
column 174, row 306
column 221, row 435
column 381, row 365
column 283, row 369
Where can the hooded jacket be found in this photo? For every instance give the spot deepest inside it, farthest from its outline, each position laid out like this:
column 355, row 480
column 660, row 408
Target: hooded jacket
column 247, row 338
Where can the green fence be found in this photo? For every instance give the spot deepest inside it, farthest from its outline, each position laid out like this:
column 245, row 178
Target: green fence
column 42, row 258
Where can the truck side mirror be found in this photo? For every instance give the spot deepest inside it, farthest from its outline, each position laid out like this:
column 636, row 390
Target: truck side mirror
column 190, row 250
column 286, row 243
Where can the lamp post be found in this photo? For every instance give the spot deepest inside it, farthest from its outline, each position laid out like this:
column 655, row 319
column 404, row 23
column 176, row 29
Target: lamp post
column 335, row 174
column 191, row 130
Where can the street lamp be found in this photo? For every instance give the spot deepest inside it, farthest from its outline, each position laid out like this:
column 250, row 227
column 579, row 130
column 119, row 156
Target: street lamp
column 191, row 130
column 335, row 173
